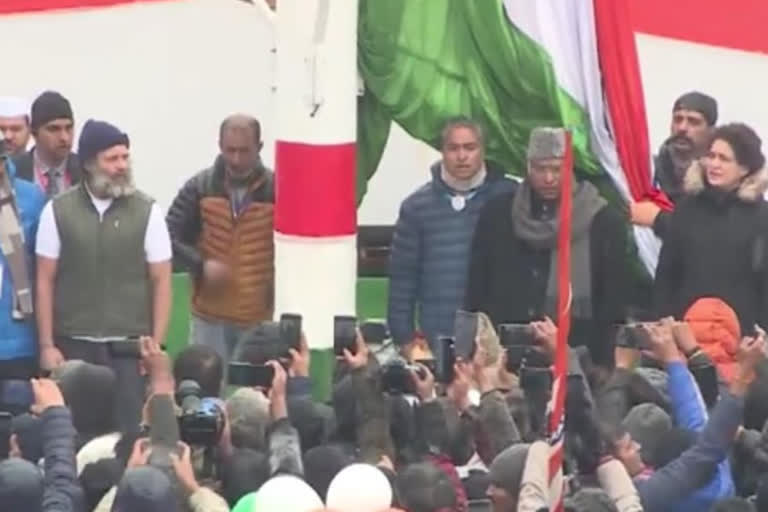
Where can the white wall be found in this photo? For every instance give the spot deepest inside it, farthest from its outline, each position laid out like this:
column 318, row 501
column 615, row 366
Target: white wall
column 167, row 73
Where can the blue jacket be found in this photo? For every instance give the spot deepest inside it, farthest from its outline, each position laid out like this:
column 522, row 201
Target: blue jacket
column 430, row 254
column 18, row 339
column 675, row 486
column 690, row 413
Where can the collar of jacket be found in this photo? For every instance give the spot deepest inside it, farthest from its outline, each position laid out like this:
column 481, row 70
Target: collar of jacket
column 750, row 190
column 493, row 170
column 221, row 180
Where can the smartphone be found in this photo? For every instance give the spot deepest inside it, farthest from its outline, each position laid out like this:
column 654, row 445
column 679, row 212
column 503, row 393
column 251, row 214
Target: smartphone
column 445, row 360
column 290, row 330
column 634, row 336
column 5, row 434
column 344, row 334
column 516, row 334
column 374, row 332
column 250, row 375
column 130, row 348
column 465, row 333
column 522, row 356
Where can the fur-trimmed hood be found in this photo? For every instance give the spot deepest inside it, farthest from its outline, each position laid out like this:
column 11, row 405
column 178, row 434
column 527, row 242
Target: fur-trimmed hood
column 750, row 190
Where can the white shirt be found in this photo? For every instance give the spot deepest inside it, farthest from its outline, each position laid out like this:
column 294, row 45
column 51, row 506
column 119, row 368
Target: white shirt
column 157, row 241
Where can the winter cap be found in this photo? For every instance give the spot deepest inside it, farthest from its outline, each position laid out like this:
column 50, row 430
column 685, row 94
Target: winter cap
column 718, row 332
column 145, row 489
column 647, row 424
column 506, row 471
column 29, row 436
column 590, row 500
column 248, row 413
column 698, row 102
column 48, row 107
column 744, row 142
column 12, row 106
column 98, row 136
column 21, row 486
column 546, row 143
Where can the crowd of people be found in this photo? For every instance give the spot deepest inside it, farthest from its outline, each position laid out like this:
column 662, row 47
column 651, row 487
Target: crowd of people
column 666, row 399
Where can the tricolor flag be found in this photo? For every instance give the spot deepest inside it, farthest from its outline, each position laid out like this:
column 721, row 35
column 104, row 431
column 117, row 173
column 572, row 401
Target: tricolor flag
column 515, row 65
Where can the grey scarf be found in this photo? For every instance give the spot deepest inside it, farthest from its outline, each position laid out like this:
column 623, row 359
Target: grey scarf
column 542, row 234
column 12, row 247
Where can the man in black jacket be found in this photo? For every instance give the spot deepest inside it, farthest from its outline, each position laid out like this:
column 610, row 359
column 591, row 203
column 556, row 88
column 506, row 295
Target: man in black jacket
column 51, row 163
column 512, row 271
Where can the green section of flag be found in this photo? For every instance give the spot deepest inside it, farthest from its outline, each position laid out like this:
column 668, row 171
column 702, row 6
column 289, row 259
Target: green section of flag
column 425, row 61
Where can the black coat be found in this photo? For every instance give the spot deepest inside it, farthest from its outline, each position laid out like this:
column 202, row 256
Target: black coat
column 25, row 167
column 508, row 278
column 716, row 245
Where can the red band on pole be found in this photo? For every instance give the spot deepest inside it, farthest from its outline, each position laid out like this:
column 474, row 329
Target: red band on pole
column 315, row 189
column 557, row 402
column 19, row 6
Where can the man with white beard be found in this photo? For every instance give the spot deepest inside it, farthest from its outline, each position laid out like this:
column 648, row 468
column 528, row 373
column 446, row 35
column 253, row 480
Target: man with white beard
column 103, row 269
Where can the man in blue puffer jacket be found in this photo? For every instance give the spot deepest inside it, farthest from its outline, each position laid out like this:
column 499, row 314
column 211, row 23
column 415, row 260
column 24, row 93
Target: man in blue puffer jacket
column 20, row 205
column 433, row 235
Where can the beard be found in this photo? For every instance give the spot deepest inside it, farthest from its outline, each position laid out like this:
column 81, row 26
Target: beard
column 105, row 186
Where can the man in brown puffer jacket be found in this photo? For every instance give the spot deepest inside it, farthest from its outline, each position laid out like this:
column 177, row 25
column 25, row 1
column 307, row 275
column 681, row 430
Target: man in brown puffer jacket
column 221, row 228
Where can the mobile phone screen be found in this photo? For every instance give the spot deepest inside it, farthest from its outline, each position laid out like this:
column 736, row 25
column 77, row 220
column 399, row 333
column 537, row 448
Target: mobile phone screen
column 250, row 375
column 290, row 330
column 446, row 358
column 465, row 332
column 5, row 434
column 344, row 334
column 516, row 334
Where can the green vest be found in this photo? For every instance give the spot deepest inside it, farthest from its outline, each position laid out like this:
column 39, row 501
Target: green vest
column 102, row 279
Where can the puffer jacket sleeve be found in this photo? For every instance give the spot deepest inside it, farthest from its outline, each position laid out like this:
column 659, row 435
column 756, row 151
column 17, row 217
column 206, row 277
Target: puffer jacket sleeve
column 62, row 490
column 205, row 500
column 405, row 259
column 184, row 225
column 479, row 275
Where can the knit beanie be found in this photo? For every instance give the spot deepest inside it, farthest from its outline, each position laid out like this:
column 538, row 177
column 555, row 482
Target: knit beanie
column 717, row 331
column 745, row 143
column 21, row 486
column 545, row 143
column 506, row 471
column 98, row 136
column 647, row 424
column 50, row 106
column 29, row 436
column 698, row 102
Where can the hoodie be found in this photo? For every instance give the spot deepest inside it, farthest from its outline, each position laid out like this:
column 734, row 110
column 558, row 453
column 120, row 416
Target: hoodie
column 430, row 254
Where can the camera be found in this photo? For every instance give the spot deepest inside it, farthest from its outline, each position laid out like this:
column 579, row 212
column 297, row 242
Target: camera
column 202, row 420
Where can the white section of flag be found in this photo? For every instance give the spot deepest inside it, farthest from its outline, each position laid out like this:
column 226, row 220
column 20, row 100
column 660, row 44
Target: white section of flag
column 566, row 31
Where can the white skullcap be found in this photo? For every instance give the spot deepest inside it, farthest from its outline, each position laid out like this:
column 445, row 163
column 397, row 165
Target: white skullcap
column 13, row 106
